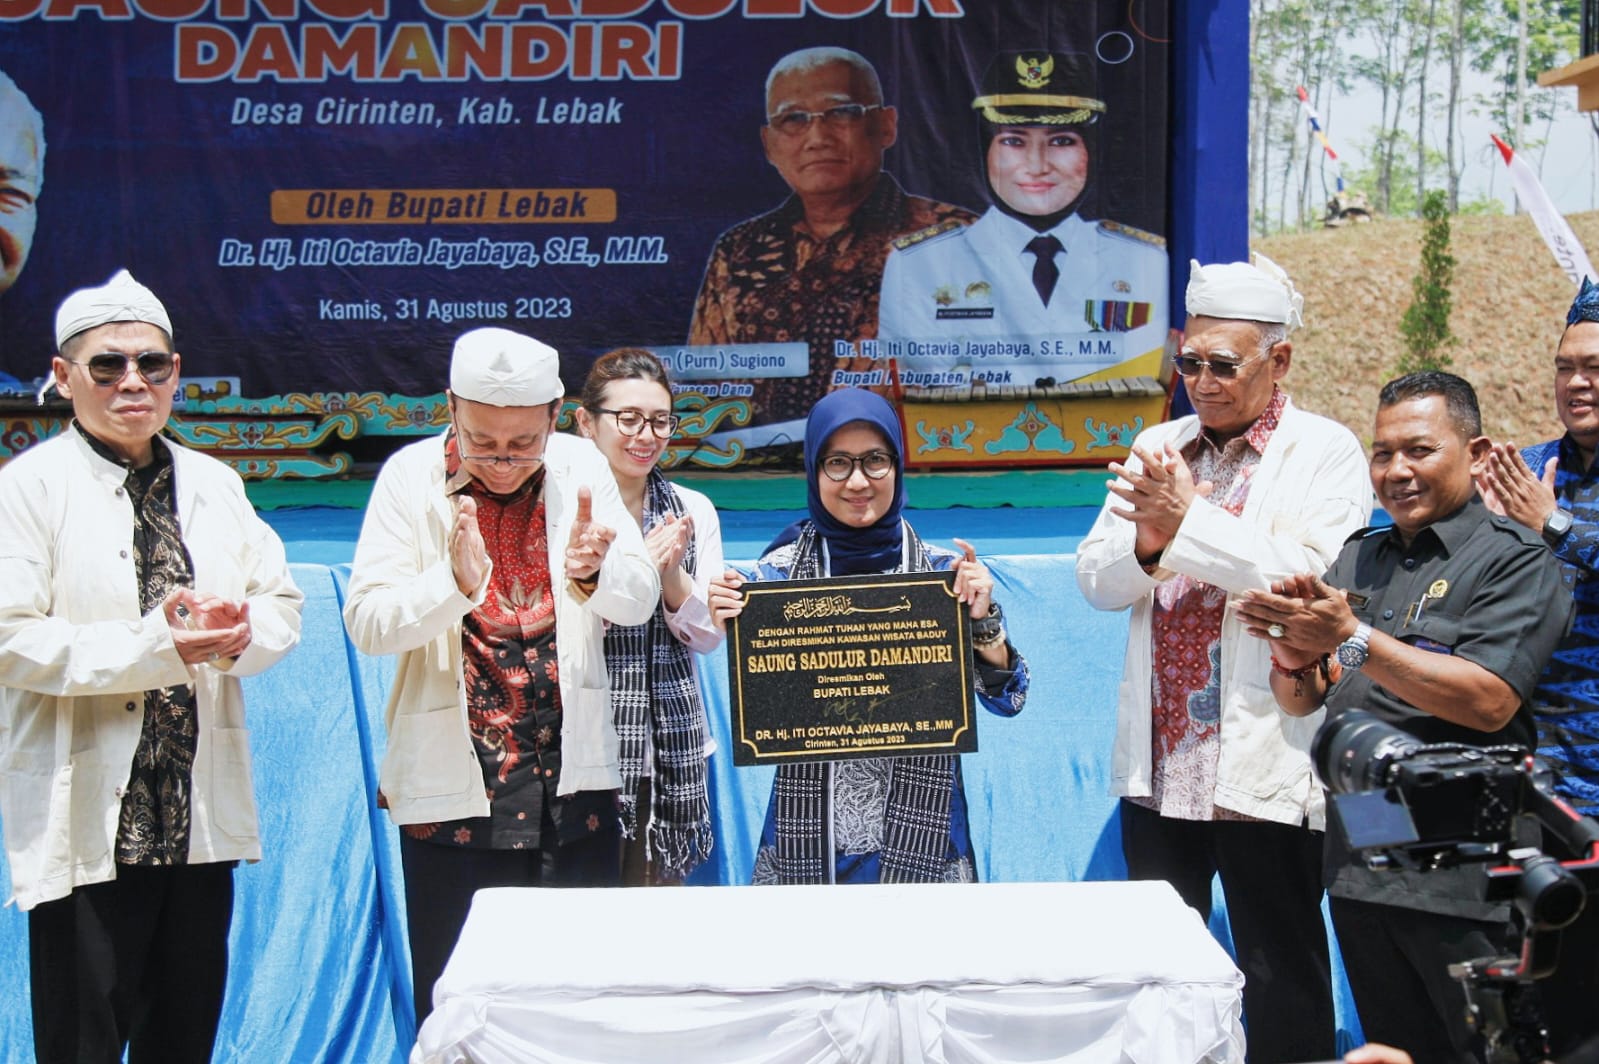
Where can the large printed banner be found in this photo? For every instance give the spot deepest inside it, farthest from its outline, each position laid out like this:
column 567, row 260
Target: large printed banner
column 327, row 192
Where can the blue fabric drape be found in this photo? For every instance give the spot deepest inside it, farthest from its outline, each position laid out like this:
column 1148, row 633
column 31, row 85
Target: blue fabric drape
column 320, row 970
column 317, row 965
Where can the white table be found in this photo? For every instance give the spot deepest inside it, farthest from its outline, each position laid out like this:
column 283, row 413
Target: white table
column 968, row 973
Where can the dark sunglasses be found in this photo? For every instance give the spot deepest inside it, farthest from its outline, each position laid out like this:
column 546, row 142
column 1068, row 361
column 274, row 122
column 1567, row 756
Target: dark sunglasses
column 109, row 368
column 1190, row 366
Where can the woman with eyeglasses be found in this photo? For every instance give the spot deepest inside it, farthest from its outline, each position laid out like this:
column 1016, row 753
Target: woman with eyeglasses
column 889, row 820
column 666, row 824
column 1036, row 269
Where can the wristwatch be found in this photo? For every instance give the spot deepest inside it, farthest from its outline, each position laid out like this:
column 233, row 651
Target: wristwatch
column 1352, row 652
column 1556, row 525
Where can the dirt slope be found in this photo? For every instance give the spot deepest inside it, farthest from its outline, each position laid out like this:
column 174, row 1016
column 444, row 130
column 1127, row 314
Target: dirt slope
column 1510, row 305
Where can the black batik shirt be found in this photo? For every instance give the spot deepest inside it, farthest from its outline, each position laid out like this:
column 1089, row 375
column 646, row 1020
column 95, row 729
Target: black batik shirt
column 154, row 827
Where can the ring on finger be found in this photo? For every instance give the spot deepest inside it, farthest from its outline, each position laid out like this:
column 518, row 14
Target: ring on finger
column 1275, row 630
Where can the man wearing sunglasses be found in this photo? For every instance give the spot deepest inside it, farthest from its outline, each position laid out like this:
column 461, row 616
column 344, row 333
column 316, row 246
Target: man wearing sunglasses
column 137, row 585
column 1213, row 779
column 490, row 560
column 810, row 269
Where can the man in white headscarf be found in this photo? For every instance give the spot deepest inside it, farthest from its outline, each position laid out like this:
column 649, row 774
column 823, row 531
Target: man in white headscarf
column 1213, row 779
column 137, row 585
column 21, row 177
column 490, row 559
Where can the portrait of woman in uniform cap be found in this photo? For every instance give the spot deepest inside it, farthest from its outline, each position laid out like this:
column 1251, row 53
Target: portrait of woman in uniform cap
column 1032, row 267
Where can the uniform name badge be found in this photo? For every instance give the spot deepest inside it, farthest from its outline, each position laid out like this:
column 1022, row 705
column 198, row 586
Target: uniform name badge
column 967, row 302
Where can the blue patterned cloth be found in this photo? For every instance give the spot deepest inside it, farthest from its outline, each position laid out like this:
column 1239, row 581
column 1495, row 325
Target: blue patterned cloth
column 1568, row 692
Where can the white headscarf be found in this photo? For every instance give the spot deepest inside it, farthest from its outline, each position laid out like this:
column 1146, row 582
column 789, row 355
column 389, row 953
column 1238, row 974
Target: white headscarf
column 504, row 368
column 119, row 299
column 1258, row 292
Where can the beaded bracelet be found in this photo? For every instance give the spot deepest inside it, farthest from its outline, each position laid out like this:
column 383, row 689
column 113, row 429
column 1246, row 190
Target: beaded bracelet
column 1298, row 675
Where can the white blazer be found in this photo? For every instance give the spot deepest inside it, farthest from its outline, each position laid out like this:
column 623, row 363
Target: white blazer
column 403, row 600
column 77, row 655
column 1310, row 491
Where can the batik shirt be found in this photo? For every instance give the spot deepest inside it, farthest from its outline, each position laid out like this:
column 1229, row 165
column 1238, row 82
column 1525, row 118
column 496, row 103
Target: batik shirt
column 1187, row 623
column 513, row 693
column 153, row 826
column 1567, row 709
column 770, row 281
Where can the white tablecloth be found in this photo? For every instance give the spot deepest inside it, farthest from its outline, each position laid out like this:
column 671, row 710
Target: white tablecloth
column 959, row 973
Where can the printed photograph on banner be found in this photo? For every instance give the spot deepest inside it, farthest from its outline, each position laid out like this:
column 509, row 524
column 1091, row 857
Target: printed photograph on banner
column 1040, row 288
column 777, row 206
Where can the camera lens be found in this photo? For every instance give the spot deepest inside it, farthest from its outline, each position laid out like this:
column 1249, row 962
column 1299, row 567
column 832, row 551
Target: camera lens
column 1548, row 895
column 1353, row 750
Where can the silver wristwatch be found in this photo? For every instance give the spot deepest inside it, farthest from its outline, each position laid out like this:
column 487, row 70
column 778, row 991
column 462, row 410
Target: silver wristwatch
column 1556, row 525
column 1353, row 652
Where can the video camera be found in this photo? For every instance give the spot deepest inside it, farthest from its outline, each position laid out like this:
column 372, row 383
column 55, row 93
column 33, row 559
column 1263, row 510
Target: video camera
column 1401, row 803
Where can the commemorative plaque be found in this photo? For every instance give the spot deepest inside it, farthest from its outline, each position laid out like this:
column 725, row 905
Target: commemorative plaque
column 850, row 666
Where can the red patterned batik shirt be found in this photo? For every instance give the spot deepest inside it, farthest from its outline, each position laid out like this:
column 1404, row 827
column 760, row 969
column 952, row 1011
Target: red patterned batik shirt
column 513, row 693
column 1187, row 640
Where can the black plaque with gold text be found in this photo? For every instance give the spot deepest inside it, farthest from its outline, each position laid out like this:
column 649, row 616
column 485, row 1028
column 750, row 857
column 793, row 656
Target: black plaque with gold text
column 850, row 666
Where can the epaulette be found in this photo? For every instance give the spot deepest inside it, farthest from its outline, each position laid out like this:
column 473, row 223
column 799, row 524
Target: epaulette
column 1118, row 229
column 1369, row 530
column 1532, row 537
column 910, row 240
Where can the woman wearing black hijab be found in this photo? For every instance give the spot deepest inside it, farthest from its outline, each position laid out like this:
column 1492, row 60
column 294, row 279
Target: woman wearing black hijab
column 889, row 820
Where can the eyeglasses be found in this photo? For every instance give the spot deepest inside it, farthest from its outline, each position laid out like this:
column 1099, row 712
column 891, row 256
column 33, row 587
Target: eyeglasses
column 109, row 368
column 632, row 422
column 1588, row 369
column 875, row 464
column 512, row 460
column 843, row 116
column 1191, row 366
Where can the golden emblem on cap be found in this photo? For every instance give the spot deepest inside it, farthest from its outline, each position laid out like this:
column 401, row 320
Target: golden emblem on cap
column 1034, row 73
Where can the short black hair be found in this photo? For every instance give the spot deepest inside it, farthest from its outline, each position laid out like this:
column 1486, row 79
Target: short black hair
column 1460, row 398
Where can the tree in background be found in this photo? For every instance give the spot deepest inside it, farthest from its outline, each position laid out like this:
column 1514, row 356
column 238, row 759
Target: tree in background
column 1425, row 325
column 1292, row 43
column 1428, row 63
column 1527, row 36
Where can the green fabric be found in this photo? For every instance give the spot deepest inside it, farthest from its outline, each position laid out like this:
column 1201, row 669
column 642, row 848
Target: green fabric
column 1041, row 488
column 278, row 494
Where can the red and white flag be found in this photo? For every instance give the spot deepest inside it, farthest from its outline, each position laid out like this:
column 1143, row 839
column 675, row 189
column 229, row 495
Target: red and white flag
column 1551, row 223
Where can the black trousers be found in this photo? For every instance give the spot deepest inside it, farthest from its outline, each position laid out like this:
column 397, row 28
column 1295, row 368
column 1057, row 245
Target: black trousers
column 139, row 962
column 440, row 882
column 1397, row 961
column 1271, row 876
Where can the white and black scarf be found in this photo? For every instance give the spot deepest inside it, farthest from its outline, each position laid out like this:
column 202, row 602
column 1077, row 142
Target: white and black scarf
column 656, row 702
column 916, row 825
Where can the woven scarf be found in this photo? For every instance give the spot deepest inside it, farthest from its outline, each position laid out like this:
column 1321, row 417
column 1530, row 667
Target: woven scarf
column 916, row 822
column 656, row 701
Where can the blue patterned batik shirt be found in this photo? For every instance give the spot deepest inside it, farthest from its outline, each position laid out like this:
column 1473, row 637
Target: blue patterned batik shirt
column 1568, row 692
